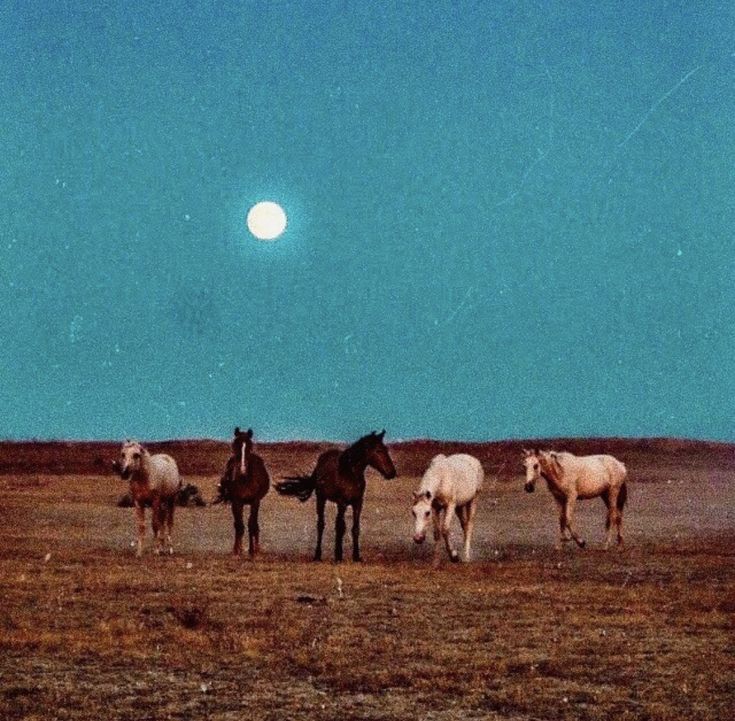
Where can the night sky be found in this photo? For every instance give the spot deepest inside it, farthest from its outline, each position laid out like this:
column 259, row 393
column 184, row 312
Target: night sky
column 506, row 219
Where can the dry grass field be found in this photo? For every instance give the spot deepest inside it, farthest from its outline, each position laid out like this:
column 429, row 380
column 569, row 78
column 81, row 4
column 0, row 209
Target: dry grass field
column 87, row 631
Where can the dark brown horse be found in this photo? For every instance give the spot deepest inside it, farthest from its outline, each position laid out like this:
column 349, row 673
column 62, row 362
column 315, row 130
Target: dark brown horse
column 244, row 483
column 339, row 477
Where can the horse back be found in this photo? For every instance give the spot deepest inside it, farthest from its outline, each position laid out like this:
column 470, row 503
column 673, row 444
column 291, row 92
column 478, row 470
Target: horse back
column 164, row 478
column 462, row 478
column 334, row 481
column 596, row 474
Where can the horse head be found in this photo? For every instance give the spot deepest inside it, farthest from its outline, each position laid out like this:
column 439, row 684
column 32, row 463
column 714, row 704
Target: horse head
column 421, row 514
column 242, row 446
column 532, row 465
column 130, row 459
column 377, row 456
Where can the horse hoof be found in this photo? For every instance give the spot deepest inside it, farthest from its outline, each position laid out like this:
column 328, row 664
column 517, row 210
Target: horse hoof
column 455, row 557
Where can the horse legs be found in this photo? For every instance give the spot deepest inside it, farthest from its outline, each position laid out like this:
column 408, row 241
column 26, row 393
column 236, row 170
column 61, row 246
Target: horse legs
column 436, row 518
column 468, row 515
column 253, row 529
column 449, row 512
column 237, row 507
column 563, row 530
column 619, row 506
column 140, row 519
column 610, row 498
column 463, row 515
column 170, row 506
column 619, row 524
column 571, row 502
column 339, row 531
column 321, row 502
column 158, row 519
column 356, row 511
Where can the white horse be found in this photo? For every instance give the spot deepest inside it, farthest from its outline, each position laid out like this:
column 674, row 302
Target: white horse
column 154, row 481
column 570, row 477
column 450, row 484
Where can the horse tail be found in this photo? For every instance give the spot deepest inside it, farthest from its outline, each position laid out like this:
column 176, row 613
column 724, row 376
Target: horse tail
column 300, row 486
column 622, row 496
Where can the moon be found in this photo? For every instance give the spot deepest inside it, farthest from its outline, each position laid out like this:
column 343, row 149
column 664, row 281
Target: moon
column 266, row 220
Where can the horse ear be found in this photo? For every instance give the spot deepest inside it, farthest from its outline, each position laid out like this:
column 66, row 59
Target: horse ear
column 381, row 435
column 237, row 430
column 249, row 433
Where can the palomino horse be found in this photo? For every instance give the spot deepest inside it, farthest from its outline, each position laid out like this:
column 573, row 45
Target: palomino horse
column 154, row 481
column 244, row 483
column 339, row 477
column 570, row 477
column 450, row 484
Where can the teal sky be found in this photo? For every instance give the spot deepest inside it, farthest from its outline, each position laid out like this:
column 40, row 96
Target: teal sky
column 506, row 219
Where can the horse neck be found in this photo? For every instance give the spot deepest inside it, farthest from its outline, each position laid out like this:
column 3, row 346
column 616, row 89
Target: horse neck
column 145, row 461
column 355, row 459
column 144, row 472
column 430, row 481
column 553, row 476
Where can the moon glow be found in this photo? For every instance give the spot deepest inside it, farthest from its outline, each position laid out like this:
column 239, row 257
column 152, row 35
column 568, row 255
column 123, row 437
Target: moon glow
column 266, row 220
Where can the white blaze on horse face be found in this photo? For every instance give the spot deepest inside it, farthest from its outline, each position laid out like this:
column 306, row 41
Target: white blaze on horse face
column 242, row 460
column 422, row 515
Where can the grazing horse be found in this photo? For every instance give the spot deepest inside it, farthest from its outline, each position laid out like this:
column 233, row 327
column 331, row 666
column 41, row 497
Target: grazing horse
column 570, row 477
column 339, row 477
column 450, row 484
column 244, row 483
column 154, row 481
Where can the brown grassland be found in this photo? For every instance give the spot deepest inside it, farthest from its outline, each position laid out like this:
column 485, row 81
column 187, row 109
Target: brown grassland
column 87, row 631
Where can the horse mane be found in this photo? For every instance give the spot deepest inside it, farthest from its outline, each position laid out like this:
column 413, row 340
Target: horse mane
column 360, row 446
column 136, row 444
column 551, row 466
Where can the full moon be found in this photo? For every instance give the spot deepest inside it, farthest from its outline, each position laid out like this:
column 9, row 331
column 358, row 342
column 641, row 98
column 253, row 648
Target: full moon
column 266, row 220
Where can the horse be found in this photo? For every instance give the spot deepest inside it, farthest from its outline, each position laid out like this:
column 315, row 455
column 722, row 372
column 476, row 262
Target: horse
column 244, row 482
column 450, row 485
column 571, row 477
column 339, row 476
column 154, row 481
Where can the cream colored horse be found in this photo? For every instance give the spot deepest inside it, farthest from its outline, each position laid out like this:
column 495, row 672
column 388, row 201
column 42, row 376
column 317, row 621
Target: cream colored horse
column 571, row 477
column 154, row 481
column 450, row 485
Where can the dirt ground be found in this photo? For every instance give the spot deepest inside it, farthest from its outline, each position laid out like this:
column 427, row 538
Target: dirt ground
column 88, row 631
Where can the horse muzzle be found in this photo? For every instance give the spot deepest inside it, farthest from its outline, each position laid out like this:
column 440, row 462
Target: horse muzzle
column 530, row 487
column 419, row 537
